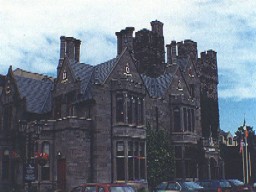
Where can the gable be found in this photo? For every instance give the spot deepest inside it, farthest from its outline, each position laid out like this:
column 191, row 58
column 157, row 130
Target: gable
column 65, row 75
column 9, row 91
column 126, row 68
column 179, row 85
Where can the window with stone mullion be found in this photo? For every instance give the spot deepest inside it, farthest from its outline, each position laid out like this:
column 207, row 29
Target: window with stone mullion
column 177, row 119
column 129, row 109
column 120, row 160
column 120, row 108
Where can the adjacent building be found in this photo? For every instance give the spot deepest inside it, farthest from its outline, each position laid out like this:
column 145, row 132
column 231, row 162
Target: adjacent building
column 91, row 120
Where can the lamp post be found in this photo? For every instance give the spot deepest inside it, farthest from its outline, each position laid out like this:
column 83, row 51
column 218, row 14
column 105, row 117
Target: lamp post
column 31, row 131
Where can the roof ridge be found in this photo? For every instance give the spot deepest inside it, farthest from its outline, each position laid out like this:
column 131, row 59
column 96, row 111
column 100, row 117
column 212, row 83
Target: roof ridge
column 22, row 71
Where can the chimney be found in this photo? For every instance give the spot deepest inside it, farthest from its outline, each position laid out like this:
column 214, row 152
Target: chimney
column 171, row 53
column 62, row 47
column 119, row 42
column 77, row 49
column 70, row 49
column 125, row 39
column 157, row 27
column 62, row 52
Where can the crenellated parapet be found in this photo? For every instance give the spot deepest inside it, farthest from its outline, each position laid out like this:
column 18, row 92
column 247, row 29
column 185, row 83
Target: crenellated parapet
column 208, row 66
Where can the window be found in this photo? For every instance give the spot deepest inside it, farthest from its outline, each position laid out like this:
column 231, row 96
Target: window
column 230, row 141
column 64, row 75
column 57, row 111
column 140, row 111
column 5, row 165
column 120, row 160
column 119, row 108
column 189, row 120
column 7, row 122
column 130, row 109
column 130, row 160
column 185, row 117
column 193, row 119
column 192, row 90
column 177, row 126
column 142, row 160
column 45, row 170
column 178, row 152
column 179, row 169
column 190, row 168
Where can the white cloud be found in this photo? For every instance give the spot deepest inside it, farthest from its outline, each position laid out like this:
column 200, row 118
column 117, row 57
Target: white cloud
column 30, row 32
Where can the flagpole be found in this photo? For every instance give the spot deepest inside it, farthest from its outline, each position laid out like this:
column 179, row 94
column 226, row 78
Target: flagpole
column 243, row 164
column 246, row 160
column 250, row 164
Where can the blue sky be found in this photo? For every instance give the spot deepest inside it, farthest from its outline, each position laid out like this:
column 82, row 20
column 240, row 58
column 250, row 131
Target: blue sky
column 30, row 32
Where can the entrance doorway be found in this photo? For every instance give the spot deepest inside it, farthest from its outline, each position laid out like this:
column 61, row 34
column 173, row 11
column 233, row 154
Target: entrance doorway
column 61, row 174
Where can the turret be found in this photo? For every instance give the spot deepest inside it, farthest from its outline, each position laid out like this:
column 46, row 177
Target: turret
column 188, row 48
column 157, row 27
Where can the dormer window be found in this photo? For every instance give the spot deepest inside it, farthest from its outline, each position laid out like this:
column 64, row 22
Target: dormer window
column 64, row 75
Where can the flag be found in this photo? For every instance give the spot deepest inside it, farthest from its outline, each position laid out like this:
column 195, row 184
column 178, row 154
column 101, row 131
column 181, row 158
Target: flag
column 246, row 133
column 241, row 146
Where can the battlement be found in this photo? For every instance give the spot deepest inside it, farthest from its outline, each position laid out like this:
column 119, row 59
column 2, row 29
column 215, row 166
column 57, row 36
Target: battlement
column 187, row 47
column 157, row 27
column 208, row 54
column 209, row 58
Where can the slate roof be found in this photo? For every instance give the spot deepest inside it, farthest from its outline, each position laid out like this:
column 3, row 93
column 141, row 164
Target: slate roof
column 157, row 87
column 183, row 62
column 103, row 70
column 36, row 92
column 82, row 72
column 89, row 74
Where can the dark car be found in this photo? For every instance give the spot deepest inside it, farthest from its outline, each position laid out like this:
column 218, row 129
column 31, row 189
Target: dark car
column 177, row 186
column 104, row 187
column 238, row 186
column 215, row 185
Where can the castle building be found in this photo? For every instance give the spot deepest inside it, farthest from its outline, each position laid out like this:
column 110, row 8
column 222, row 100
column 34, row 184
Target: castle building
column 92, row 119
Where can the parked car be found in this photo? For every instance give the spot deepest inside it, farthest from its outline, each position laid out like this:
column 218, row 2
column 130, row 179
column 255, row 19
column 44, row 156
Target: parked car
column 104, row 187
column 179, row 186
column 215, row 185
column 238, row 186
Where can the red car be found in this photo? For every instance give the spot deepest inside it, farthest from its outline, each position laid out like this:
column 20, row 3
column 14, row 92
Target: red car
column 238, row 186
column 104, row 187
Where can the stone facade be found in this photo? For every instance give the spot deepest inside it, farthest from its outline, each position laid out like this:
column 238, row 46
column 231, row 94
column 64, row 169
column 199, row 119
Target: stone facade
column 93, row 119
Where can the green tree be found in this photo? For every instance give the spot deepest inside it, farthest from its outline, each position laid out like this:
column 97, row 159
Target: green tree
column 160, row 157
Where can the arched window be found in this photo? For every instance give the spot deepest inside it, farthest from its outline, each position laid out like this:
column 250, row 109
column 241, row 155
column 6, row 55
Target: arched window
column 176, row 119
column 45, row 170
